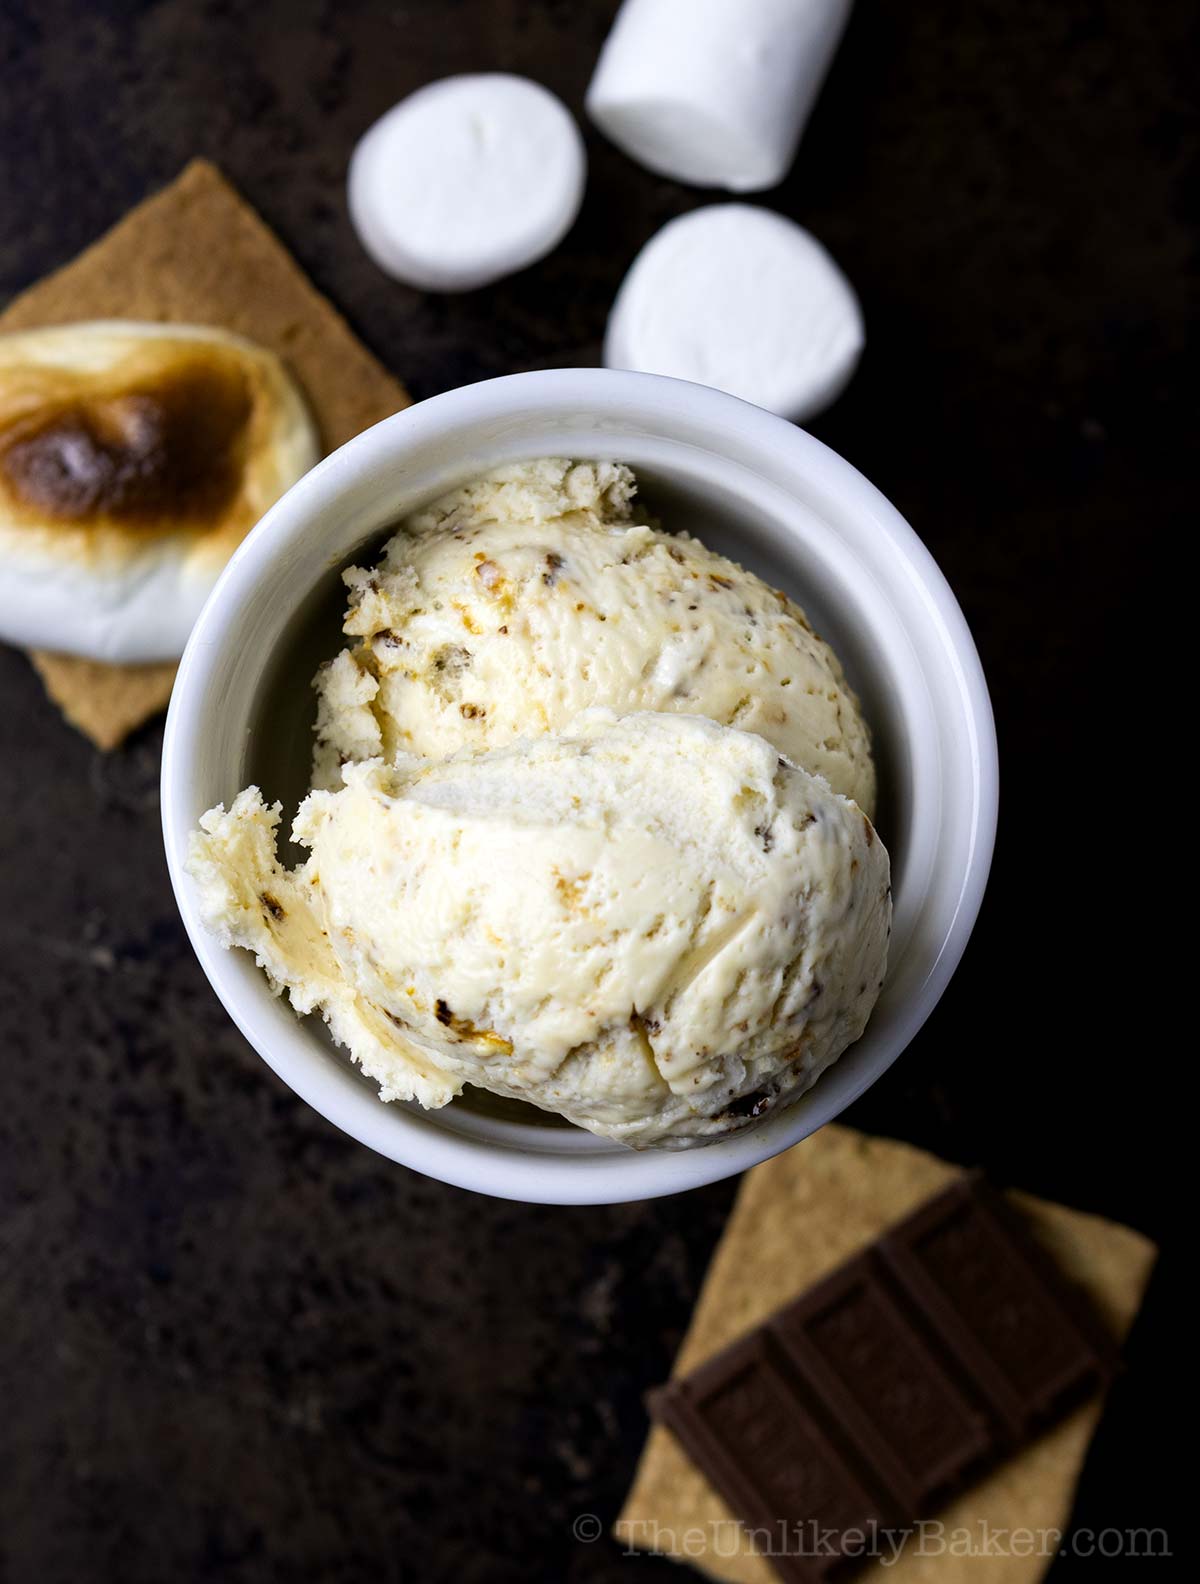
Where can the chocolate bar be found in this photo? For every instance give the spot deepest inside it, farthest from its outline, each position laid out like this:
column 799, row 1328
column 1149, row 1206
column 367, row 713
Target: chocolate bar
column 865, row 1403
column 746, row 1423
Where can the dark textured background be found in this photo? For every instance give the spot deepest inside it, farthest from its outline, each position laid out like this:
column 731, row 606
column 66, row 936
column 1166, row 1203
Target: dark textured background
column 233, row 1343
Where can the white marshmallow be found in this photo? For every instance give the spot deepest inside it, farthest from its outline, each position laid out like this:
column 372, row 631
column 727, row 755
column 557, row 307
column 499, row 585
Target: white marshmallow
column 714, row 92
column 85, row 410
column 742, row 299
column 467, row 180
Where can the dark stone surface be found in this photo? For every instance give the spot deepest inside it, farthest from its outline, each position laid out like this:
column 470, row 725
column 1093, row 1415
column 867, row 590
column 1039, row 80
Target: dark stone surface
column 234, row 1344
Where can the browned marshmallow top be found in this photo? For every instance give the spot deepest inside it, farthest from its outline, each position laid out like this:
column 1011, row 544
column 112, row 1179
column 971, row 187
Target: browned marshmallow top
column 134, row 458
column 157, row 444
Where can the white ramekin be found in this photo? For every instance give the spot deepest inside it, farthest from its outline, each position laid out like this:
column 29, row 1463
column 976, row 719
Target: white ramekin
column 780, row 501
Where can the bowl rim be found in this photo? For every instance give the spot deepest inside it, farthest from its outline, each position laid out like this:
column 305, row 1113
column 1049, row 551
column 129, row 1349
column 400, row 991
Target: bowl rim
column 532, row 1174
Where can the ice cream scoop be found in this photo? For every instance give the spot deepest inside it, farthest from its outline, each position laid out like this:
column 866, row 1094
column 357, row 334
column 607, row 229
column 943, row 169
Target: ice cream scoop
column 541, row 590
column 653, row 925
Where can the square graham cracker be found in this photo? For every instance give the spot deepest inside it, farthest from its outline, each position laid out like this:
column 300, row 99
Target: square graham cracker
column 798, row 1217
column 196, row 253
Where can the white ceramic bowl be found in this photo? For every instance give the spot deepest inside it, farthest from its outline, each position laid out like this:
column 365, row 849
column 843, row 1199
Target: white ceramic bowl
column 754, row 487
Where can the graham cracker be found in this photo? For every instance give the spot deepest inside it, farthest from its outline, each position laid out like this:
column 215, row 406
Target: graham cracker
column 197, row 253
column 104, row 702
column 797, row 1218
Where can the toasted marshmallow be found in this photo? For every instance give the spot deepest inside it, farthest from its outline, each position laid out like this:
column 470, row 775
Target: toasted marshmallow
column 134, row 458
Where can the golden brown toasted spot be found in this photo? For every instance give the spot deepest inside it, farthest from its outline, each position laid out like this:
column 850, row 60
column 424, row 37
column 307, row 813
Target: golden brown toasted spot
column 465, row 617
column 466, row 1030
column 488, row 573
column 159, row 448
column 570, row 889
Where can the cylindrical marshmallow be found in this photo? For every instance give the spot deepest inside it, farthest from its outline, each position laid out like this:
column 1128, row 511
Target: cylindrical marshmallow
column 467, row 180
column 742, row 299
column 714, row 92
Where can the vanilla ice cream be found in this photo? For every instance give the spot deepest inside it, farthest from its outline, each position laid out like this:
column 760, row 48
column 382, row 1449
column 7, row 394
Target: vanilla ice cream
column 651, row 924
column 539, row 591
